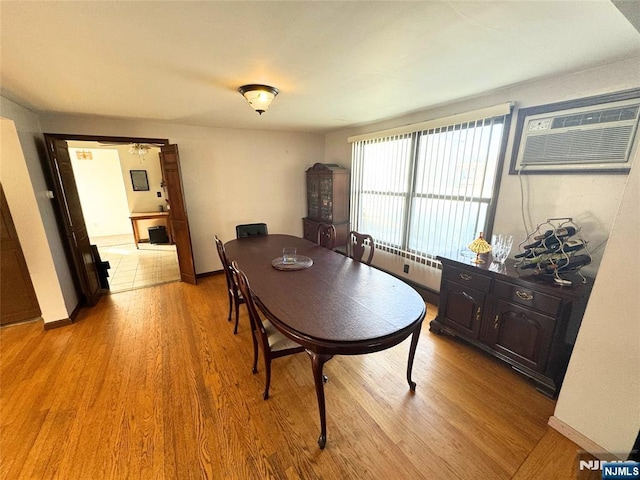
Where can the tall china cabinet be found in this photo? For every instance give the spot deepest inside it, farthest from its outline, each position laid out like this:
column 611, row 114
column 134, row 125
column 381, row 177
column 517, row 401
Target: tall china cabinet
column 327, row 201
column 525, row 320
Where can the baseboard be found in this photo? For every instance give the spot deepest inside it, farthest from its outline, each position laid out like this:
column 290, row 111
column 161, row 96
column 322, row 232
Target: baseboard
column 209, row 274
column 579, row 439
column 63, row 322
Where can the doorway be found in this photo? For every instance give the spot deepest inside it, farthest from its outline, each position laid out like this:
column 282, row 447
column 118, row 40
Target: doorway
column 108, row 196
column 85, row 261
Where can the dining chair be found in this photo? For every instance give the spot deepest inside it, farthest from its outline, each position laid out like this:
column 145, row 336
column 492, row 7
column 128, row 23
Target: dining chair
column 273, row 343
column 326, row 235
column 251, row 229
column 358, row 244
column 235, row 297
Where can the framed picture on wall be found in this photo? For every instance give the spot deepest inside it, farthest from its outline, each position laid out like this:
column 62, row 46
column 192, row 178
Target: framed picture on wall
column 139, row 180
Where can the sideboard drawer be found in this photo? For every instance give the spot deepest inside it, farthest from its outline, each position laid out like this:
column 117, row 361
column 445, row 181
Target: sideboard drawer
column 465, row 277
column 526, row 297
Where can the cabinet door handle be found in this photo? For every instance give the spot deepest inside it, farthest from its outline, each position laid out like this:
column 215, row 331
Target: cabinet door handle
column 495, row 322
column 467, row 296
column 478, row 313
column 466, row 276
column 524, row 295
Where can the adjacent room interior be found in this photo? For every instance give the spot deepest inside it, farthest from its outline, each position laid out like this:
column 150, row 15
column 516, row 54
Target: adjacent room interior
column 106, row 179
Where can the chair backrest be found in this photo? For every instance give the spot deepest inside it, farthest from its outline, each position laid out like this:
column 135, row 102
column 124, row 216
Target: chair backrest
column 257, row 327
column 358, row 243
column 225, row 263
column 251, row 229
column 326, row 235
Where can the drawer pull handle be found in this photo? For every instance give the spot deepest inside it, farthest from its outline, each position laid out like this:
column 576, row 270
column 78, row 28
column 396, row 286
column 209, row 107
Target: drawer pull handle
column 524, row 295
column 495, row 322
column 466, row 276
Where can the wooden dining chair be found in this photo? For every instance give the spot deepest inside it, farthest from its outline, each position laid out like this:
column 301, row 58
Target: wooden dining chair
column 358, row 244
column 251, row 229
column 235, row 297
column 326, row 235
column 273, row 343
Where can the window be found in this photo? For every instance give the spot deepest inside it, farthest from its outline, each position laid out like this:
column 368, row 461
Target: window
column 427, row 192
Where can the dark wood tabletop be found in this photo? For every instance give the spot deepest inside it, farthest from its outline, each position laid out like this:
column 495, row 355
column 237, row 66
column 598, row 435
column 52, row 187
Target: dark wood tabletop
column 338, row 306
column 337, row 303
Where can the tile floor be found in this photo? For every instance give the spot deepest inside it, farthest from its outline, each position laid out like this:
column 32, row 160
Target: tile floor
column 133, row 267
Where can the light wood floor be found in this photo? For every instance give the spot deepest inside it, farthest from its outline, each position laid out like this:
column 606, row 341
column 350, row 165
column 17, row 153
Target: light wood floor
column 152, row 383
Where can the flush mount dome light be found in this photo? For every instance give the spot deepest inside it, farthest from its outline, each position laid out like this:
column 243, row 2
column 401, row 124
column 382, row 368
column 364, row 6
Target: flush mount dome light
column 258, row 96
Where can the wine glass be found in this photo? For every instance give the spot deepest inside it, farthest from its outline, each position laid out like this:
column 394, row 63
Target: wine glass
column 501, row 247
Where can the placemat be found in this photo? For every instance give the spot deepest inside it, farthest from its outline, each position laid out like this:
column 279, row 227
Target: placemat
column 301, row 263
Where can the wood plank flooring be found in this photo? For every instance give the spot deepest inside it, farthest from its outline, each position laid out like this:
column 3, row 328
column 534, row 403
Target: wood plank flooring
column 152, row 383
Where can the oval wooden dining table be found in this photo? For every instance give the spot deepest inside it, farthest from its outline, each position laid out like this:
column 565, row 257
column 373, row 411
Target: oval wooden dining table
column 338, row 306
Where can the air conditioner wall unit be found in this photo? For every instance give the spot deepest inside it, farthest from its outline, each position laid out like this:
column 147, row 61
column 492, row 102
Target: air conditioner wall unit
column 587, row 138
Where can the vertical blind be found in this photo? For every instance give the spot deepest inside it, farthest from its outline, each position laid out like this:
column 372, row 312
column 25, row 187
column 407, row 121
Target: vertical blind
column 429, row 191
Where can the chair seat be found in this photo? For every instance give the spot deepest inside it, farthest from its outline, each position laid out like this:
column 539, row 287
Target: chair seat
column 277, row 341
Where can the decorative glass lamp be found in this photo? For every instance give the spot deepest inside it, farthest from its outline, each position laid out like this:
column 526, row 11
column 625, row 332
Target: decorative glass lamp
column 478, row 246
column 258, row 96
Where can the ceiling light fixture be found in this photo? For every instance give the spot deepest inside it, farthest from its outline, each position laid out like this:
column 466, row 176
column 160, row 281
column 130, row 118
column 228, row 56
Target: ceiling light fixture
column 139, row 149
column 258, row 96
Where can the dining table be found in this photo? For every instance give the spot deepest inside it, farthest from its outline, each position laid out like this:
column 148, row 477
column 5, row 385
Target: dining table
column 331, row 304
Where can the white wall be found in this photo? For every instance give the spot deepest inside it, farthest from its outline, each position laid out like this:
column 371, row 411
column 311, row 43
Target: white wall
column 142, row 201
column 34, row 155
column 591, row 200
column 600, row 397
column 23, row 205
column 102, row 192
column 106, row 190
column 229, row 176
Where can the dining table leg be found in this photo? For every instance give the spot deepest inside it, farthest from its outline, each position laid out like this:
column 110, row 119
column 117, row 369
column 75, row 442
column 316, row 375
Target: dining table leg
column 317, row 363
column 412, row 353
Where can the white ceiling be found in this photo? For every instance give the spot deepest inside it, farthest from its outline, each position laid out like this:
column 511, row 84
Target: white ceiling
column 336, row 64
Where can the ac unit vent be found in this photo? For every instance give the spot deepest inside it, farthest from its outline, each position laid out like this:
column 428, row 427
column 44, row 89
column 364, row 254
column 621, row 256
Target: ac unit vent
column 603, row 116
column 600, row 135
column 603, row 145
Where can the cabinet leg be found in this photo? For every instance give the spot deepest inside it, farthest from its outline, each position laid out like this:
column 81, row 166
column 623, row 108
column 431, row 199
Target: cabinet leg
column 435, row 327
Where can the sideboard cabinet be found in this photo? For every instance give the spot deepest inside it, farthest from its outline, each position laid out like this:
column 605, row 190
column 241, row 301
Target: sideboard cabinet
column 327, row 201
column 525, row 320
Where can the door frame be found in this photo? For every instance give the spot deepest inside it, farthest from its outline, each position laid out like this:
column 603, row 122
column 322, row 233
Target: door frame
column 160, row 142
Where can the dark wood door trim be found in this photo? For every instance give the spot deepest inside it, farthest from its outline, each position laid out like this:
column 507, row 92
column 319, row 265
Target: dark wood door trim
column 107, row 139
column 171, row 175
column 67, row 201
column 185, row 259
